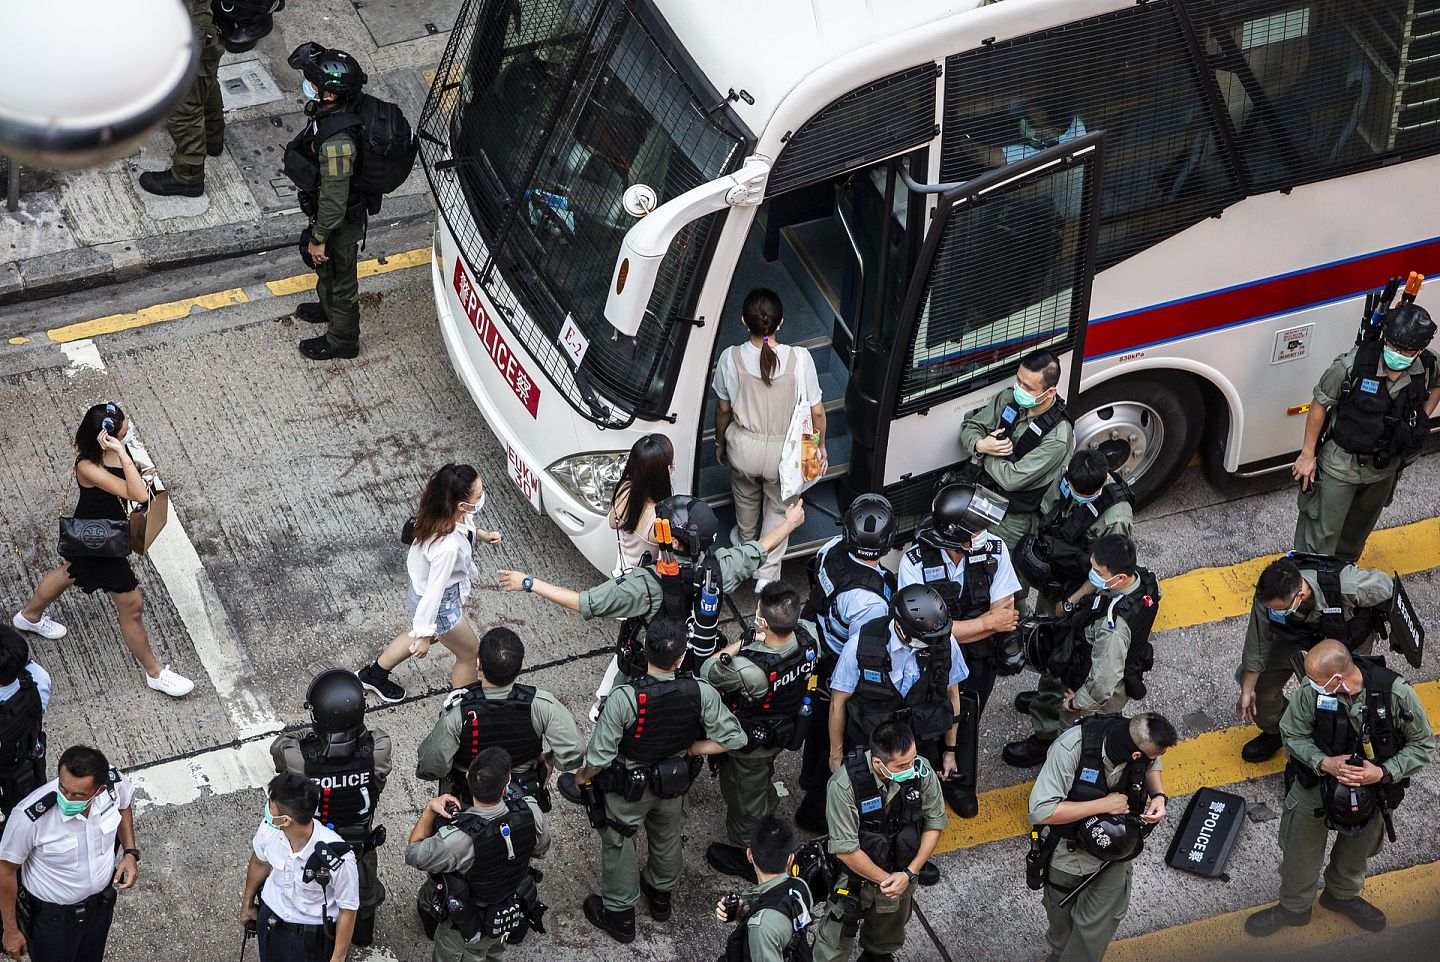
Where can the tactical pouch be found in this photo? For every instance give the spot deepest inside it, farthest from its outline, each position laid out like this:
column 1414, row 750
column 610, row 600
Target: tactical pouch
column 632, row 789
column 1296, row 772
column 792, row 735
column 671, row 777
column 1140, row 660
column 376, row 838
column 1037, row 860
column 630, row 652
column 850, row 914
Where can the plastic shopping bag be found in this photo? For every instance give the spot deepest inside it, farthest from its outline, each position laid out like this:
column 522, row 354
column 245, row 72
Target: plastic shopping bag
column 801, row 460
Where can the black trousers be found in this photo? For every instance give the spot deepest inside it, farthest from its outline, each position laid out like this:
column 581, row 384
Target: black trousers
column 67, row 933
column 981, row 679
column 283, row 942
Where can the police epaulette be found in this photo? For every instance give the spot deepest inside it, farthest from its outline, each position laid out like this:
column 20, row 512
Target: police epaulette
column 113, row 777
column 42, row 805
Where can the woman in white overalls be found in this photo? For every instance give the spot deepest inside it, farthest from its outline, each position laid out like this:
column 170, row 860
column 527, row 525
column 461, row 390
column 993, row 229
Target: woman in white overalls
column 758, row 384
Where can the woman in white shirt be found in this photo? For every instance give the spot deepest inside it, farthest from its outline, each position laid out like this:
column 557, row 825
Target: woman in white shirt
column 758, row 384
column 440, row 566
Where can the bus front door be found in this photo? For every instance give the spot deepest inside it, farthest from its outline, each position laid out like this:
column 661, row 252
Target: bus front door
column 1005, row 269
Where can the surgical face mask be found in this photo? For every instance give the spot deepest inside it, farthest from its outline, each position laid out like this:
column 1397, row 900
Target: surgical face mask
column 270, row 819
column 1101, row 584
column 1024, row 398
column 1279, row 616
column 904, row 776
column 308, row 89
column 475, row 508
column 129, row 434
column 1325, row 688
column 69, row 808
column 1396, row 361
column 1074, row 495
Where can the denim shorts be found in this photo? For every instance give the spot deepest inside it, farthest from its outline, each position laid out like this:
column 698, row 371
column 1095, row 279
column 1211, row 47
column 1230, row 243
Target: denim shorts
column 449, row 614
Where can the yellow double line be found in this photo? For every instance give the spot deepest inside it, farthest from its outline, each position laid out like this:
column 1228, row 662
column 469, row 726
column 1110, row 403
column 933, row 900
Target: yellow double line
column 1213, row 758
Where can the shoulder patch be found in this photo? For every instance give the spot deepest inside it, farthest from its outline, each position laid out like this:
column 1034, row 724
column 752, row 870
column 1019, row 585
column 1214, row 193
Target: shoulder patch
column 113, row 777
column 41, row 805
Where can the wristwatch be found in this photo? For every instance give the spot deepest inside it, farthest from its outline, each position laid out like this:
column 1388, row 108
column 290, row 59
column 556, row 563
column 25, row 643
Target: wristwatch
column 528, row 583
column 1067, row 606
column 950, row 749
column 135, row 852
column 910, row 875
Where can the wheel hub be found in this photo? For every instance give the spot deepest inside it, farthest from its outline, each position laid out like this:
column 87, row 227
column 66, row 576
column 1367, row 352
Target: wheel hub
column 1130, row 435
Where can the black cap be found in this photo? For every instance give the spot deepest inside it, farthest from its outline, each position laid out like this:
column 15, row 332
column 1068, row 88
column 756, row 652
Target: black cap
column 693, row 524
column 921, row 614
column 1409, row 327
column 336, row 700
column 869, row 525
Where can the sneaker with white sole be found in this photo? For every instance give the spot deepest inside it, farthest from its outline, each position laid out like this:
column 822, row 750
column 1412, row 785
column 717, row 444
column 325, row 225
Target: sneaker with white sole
column 171, row 683
column 46, row 627
column 376, row 680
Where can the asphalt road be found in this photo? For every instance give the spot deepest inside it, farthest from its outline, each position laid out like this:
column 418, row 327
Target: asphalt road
column 289, row 482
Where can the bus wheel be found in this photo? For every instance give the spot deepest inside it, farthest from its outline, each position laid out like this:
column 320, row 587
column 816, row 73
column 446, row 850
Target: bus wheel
column 1147, row 428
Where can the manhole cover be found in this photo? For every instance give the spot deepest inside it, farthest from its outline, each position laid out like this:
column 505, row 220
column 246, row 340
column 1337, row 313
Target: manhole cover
column 247, row 84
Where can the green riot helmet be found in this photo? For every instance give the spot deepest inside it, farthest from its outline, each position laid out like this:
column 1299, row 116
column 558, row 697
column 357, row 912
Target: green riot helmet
column 1348, row 809
column 1111, row 838
column 961, row 511
column 920, row 614
column 1409, row 327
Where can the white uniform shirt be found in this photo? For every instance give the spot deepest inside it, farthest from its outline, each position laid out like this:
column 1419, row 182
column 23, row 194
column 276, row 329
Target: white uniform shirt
column 285, row 891
column 1004, row 584
column 65, row 859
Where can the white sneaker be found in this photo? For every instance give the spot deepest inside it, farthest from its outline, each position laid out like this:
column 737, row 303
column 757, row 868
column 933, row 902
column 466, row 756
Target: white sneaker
column 46, row 627
column 171, row 683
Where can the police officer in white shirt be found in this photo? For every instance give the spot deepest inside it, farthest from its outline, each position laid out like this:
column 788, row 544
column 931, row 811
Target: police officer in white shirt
column 65, row 838
column 311, row 884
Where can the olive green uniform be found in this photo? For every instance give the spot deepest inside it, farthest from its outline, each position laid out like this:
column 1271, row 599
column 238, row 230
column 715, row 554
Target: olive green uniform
column 1303, row 833
column 451, row 850
column 285, row 752
column 198, row 121
column 550, row 720
column 1342, row 507
column 339, row 226
column 1081, row 931
column 747, row 779
column 1276, row 659
column 663, row 818
column 636, row 593
column 1119, row 518
column 882, row 919
column 768, row 931
column 1104, row 687
column 1041, row 467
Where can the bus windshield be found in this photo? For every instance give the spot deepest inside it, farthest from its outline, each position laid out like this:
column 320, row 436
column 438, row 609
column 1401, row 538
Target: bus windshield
column 556, row 107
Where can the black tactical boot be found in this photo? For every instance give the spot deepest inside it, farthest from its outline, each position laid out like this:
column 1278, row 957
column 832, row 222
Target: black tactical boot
column 868, row 956
column 320, row 349
column 620, row 926
column 1357, row 910
column 1023, row 700
column 1272, row 920
column 730, row 860
column 928, row 875
column 1026, row 753
column 164, row 184
column 658, row 901
column 311, row 312
column 810, row 816
column 569, row 788
column 962, row 801
column 1262, row 747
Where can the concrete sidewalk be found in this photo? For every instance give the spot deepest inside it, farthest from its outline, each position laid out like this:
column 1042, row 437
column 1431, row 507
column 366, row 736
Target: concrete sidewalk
column 86, row 228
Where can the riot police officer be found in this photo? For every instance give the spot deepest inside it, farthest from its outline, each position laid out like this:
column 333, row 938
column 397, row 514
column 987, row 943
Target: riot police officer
column 770, row 918
column 644, row 591
column 24, row 697
column 1018, row 443
column 482, row 892
column 1086, row 821
column 1355, row 733
column 642, row 760
column 349, row 764
column 848, row 587
column 1101, row 653
column 886, row 813
column 498, row 712
column 1370, row 414
column 1299, row 600
column 908, row 668
column 957, row 554
column 197, row 124
column 765, row 683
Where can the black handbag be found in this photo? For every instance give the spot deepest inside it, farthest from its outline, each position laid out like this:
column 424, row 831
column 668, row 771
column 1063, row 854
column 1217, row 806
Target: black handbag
column 94, row 537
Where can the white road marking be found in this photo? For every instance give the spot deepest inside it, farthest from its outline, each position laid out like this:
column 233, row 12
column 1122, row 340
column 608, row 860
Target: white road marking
column 220, row 771
column 83, row 354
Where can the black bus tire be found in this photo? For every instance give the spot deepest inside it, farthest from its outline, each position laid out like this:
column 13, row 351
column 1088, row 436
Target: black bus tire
column 1130, row 416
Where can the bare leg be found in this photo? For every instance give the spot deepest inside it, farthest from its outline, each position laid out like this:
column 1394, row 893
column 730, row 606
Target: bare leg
column 465, row 646
column 51, row 586
column 395, row 652
column 130, row 607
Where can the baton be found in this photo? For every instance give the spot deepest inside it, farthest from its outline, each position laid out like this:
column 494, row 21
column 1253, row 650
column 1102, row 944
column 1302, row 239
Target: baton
column 245, row 939
column 1085, row 882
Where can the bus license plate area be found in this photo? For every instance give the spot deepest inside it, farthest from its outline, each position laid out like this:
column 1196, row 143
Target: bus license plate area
column 525, row 479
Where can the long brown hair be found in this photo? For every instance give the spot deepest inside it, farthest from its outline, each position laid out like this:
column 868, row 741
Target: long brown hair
column 646, row 478
column 762, row 313
column 435, row 514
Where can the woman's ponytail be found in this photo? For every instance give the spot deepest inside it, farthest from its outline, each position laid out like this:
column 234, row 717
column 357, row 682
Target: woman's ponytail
column 762, row 313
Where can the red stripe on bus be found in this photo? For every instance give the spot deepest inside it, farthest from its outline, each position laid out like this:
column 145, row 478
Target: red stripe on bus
column 1279, row 295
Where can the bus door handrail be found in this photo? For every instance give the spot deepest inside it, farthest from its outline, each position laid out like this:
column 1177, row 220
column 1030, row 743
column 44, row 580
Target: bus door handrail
column 859, row 263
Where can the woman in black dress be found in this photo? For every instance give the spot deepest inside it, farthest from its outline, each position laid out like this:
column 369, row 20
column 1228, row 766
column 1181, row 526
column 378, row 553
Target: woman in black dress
column 107, row 477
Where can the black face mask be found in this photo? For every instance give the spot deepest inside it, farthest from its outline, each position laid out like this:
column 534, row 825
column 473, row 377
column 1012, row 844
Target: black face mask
column 1120, row 747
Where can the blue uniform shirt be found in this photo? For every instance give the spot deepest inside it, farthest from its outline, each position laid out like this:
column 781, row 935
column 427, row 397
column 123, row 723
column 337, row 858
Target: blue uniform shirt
column 1004, row 584
column 854, row 607
column 904, row 669
column 42, row 682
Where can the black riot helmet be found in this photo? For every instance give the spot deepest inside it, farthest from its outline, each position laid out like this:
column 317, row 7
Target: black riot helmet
column 1111, row 838
column 1409, row 327
column 961, row 511
column 336, row 700
column 1348, row 808
column 869, row 525
column 693, row 524
column 1032, row 559
column 921, row 615
column 332, row 70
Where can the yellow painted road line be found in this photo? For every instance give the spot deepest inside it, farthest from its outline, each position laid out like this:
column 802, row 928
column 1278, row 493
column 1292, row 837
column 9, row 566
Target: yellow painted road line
column 381, row 265
column 1212, row 594
column 1407, row 897
column 170, row 311
column 1212, row 758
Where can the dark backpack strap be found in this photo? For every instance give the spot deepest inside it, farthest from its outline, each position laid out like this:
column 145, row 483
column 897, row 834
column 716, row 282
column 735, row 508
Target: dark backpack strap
column 869, row 799
column 1030, row 439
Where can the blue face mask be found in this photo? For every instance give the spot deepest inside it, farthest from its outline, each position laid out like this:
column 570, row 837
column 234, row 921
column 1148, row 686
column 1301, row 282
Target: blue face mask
column 1075, row 496
column 1396, row 361
column 1024, row 398
column 1100, row 583
column 1279, row 616
column 308, row 89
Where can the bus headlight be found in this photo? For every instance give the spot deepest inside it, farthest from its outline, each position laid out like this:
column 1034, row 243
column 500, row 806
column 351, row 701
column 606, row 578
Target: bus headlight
column 590, row 478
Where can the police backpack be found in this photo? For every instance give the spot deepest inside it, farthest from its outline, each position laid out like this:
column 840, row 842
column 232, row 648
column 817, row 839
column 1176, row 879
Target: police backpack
column 387, row 149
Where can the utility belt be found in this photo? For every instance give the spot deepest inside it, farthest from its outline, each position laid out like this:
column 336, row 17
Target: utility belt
column 362, row 838
column 510, row 918
column 764, row 733
column 319, row 937
column 29, row 906
column 530, row 782
column 667, row 778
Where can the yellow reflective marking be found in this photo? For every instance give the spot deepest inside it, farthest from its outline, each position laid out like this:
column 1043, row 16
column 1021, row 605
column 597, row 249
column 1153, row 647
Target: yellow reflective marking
column 169, row 311
column 19, row 340
column 381, row 265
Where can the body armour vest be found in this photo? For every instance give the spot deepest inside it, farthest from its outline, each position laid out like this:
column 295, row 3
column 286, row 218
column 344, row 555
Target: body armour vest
column 889, row 834
column 1138, row 610
column 791, row 899
column 1362, row 623
column 1090, row 783
column 926, row 706
column 1027, row 499
column 1373, row 421
column 495, row 723
column 302, row 160
column 833, row 572
column 348, row 790
column 503, row 847
column 21, row 716
column 1335, row 735
column 789, row 677
column 667, row 720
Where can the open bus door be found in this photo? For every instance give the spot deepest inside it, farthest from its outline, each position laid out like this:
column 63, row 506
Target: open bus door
column 1005, row 269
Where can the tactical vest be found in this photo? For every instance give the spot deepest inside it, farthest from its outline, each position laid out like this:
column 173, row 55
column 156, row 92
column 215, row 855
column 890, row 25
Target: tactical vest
column 495, row 723
column 973, row 599
column 21, row 716
column 791, row 899
column 1335, row 735
column 889, row 835
column 832, row 572
column 1027, row 499
column 348, row 788
column 1363, row 622
column 498, row 870
column 1138, row 610
column 1372, row 423
column 667, row 720
column 1068, row 519
column 926, row 706
column 789, row 676
column 1090, row 783
column 302, row 160
column 679, row 598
